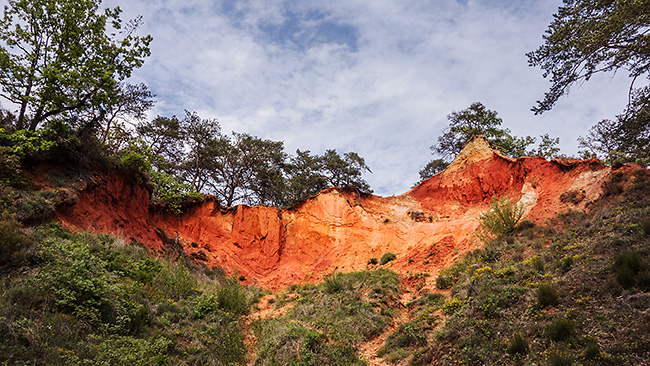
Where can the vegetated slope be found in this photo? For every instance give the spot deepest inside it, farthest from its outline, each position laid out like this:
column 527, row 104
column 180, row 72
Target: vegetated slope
column 425, row 228
column 579, row 295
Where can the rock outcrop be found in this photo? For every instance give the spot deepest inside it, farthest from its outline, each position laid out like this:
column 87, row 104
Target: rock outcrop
column 339, row 230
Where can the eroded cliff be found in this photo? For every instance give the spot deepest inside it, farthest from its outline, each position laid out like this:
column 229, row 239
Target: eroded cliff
column 339, row 230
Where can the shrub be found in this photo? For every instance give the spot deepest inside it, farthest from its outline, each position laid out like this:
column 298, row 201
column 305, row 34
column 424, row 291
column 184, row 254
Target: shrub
column 373, row 261
column 645, row 227
column 546, row 295
column 628, row 265
column 566, row 263
column 15, row 244
column 592, row 352
column 518, row 345
column 557, row 358
column 538, row 263
column 232, row 298
column 526, row 225
column 387, row 258
column 501, row 219
column 560, row 329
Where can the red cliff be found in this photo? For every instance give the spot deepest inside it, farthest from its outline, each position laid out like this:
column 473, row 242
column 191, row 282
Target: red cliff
column 426, row 227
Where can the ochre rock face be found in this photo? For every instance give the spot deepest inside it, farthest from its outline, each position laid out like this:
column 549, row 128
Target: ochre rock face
column 337, row 230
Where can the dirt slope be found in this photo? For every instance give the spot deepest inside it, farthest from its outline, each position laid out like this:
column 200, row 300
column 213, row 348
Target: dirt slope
column 337, row 230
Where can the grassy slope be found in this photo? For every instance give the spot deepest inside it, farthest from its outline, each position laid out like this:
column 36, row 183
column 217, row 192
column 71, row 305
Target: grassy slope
column 578, row 295
column 541, row 297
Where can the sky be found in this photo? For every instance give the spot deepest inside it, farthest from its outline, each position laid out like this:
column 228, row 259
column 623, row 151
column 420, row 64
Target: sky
column 377, row 77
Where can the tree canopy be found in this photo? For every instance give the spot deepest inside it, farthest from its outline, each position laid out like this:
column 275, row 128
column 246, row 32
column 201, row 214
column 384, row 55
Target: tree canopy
column 191, row 155
column 593, row 36
column 589, row 37
column 65, row 58
column 477, row 119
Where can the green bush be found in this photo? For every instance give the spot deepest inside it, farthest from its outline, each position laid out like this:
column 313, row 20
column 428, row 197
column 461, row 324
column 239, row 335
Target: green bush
column 518, row 345
column 233, row 298
column 561, row 329
column 407, row 335
column 557, row 358
column 373, row 261
column 388, row 257
column 628, row 266
column 546, row 295
column 501, row 219
column 15, row 245
column 538, row 263
column 645, row 227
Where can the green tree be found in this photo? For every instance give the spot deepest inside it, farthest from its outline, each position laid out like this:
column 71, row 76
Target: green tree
column 432, row 168
column 166, row 138
column 199, row 136
column 625, row 139
column 478, row 120
column 593, row 36
column 345, row 171
column 304, row 178
column 61, row 57
column 246, row 169
column 126, row 102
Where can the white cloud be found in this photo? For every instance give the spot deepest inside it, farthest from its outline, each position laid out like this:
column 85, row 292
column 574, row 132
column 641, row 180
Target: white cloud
column 376, row 77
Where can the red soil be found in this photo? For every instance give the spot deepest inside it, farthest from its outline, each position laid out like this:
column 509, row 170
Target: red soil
column 427, row 227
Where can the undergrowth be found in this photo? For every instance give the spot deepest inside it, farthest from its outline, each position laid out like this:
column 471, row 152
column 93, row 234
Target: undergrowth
column 92, row 299
column 328, row 321
column 535, row 296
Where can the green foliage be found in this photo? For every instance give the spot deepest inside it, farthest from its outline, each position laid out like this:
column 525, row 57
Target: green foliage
column 286, row 343
column 547, row 295
column 329, row 321
column 191, row 155
column 624, row 139
column 478, row 120
column 387, row 257
column 588, row 37
column 558, row 358
column 373, row 261
column 432, row 168
column 93, row 300
column 561, row 329
column 502, row 219
column 629, row 268
column 16, row 245
column 518, row 345
column 63, row 58
column 538, row 263
column 23, row 142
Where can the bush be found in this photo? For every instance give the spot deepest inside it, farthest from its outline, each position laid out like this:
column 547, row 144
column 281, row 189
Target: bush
column 546, row 295
column 373, row 261
column 645, row 227
column 501, row 219
column 557, row 358
column 538, row 263
column 561, row 329
column 518, row 345
column 14, row 243
column 387, row 258
column 628, row 265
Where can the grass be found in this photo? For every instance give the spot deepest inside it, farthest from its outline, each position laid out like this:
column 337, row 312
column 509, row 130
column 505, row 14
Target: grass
column 92, row 299
column 328, row 321
column 578, row 296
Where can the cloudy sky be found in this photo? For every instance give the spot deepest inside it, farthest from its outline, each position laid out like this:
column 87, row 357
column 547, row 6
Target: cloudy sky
column 377, row 77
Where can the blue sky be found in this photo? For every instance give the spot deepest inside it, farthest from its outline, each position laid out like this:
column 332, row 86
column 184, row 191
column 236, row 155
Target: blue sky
column 375, row 77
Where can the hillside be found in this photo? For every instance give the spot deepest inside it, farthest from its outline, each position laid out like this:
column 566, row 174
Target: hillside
column 337, row 229
column 569, row 286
